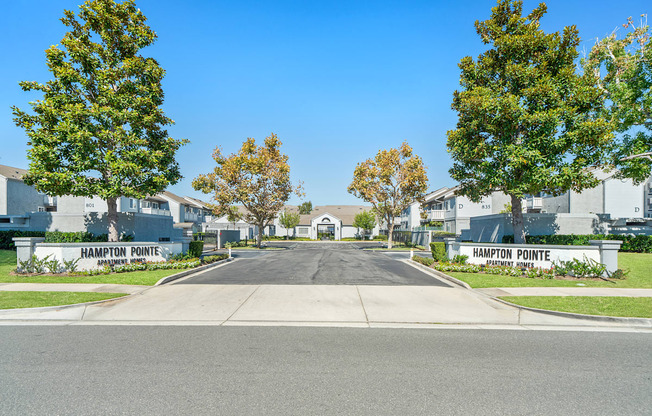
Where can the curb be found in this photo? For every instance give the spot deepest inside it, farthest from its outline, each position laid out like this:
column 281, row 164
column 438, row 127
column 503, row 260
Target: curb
column 187, row 272
column 439, row 274
column 16, row 311
column 646, row 322
column 611, row 319
column 9, row 312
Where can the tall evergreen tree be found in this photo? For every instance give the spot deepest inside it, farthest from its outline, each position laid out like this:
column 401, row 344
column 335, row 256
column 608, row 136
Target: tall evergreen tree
column 99, row 129
column 528, row 122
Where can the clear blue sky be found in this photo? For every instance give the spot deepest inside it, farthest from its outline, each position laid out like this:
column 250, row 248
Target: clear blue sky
column 336, row 80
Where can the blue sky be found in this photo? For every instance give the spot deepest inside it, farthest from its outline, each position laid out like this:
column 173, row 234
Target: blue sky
column 335, row 80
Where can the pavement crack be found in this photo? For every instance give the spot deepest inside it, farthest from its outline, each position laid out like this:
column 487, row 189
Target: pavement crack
column 242, row 304
column 362, row 304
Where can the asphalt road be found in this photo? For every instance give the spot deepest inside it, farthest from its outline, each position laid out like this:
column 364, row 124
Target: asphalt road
column 108, row 370
column 318, row 264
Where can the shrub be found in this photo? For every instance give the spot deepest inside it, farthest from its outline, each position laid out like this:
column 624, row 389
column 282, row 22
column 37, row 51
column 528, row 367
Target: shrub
column 380, row 238
column 442, row 234
column 579, row 268
column 449, row 267
column 74, row 237
column 634, row 244
column 426, row 261
column 181, row 257
column 213, row 259
column 195, row 249
column 460, row 258
column 438, row 250
column 6, row 236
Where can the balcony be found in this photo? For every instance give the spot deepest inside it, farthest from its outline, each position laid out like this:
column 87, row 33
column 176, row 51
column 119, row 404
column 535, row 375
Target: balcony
column 534, row 203
column 155, row 211
column 435, row 215
column 191, row 217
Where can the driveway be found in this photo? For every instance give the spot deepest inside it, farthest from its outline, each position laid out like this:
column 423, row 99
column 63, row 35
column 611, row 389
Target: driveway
column 305, row 263
column 306, row 284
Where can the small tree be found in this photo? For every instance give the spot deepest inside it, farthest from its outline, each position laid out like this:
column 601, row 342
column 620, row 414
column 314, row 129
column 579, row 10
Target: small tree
column 233, row 215
column 305, row 208
column 258, row 177
column 624, row 69
column 289, row 220
column 528, row 122
column 365, row 220
column 390, row 183
column 98, row 129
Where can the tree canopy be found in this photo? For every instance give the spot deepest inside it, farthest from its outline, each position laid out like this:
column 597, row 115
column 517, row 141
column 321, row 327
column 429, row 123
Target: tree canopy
column 527, row 121
column 623, row 66
column 99, row 129
column 390, row 182
column 365, row 220
column 289, row 220
column 305, row 208
column 258, row 177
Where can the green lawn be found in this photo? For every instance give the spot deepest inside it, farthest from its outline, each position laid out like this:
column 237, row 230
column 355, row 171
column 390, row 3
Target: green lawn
column 15, row 300
column 149, row 278
column 588, row 305
column 638, row 264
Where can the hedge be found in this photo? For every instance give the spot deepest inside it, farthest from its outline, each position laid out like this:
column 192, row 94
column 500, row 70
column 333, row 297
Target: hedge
column 438, row 250
column 74, row 237
column 195, row 249
column 633, row 244
column 6, row 242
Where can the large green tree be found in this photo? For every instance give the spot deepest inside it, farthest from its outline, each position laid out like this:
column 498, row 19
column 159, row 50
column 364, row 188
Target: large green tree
column 528, row 122
column 289, row 220
column 390, row 182
column 305, row 208
column 258, row 177
column 366, row 220
column 99, row 129
column 623, row 66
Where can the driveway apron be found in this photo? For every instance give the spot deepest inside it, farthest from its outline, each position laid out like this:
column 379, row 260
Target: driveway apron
column 309, row 284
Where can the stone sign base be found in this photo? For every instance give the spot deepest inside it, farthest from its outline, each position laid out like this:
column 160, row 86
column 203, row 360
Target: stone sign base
column 535, row 255
column 98, row 255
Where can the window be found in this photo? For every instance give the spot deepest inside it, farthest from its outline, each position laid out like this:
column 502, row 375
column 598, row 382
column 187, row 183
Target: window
column 132, row 203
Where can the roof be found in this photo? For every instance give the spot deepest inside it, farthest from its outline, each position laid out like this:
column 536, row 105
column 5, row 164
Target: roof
column 12, row 173
column 155, row 198
column 197, row 202
column 173, row 197
column 346, row 213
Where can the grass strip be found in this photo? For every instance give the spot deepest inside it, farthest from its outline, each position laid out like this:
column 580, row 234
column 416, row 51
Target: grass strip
column 31, row 299
column 589, row 305
column 143, row 277
column 639, row 266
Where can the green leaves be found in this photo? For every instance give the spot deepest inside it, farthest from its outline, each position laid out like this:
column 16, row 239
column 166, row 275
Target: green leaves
column 527, row 122
column 257, row 177
column 623, row 68
column 390, row 182
column 526, row 119
column 98, row 129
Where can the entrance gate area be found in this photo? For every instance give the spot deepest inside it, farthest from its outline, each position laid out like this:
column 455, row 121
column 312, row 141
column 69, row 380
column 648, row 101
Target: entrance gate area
column 326, row 231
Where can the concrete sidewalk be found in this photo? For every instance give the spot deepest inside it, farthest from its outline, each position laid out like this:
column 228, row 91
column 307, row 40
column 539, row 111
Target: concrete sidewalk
column 303, row 305
column 71, row 287
column 565, row 291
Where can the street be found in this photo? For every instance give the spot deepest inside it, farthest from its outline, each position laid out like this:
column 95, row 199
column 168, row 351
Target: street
column 96, row 370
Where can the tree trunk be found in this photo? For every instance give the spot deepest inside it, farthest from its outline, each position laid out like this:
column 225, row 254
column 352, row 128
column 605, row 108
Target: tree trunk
column 390, row 233
column 112, row 218
column 517, row 220
column 259, row 239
